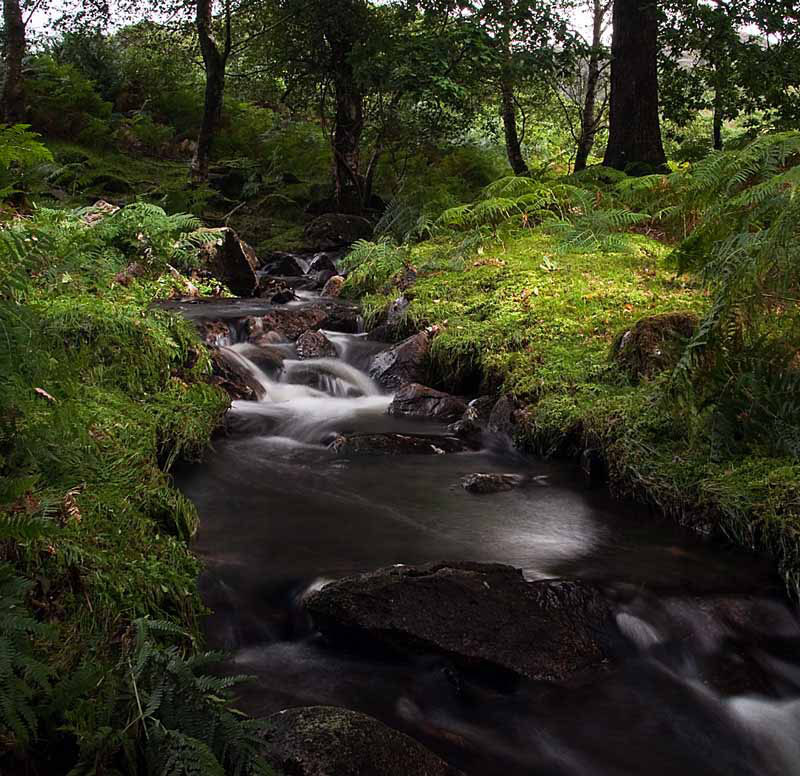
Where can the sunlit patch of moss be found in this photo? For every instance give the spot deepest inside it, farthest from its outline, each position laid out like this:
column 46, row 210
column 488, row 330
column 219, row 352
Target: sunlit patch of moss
column 523, row 317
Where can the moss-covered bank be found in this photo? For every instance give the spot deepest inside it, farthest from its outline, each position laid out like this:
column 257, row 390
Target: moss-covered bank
column 100, row 394
column 526, row 317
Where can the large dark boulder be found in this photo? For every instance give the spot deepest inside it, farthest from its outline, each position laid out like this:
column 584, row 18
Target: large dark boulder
column 419, row 401
column 397, row 444
column 402, row 364
column 232, row 261
column 482, row 616
column 329, row 741
column 337, row 230
column 653, row 344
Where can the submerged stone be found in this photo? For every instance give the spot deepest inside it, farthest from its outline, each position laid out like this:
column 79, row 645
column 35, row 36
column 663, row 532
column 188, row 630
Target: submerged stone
column 397, row 444
column 482, row 484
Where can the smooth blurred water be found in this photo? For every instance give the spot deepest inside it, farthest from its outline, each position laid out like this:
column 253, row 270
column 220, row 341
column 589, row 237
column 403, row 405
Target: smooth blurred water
column 711, row 683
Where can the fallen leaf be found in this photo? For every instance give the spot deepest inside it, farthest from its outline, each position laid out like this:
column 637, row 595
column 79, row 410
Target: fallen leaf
column 45, row 394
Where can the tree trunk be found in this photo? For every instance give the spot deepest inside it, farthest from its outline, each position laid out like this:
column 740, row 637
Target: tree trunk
column 717, row 122
column 13, row 103
column 513, row 145
column 214, row 62
column 589, row 120
column 348, row 181
column 508, row 105
column 634, row 141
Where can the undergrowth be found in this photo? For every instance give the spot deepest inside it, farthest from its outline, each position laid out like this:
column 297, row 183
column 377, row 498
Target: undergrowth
column 100, row 394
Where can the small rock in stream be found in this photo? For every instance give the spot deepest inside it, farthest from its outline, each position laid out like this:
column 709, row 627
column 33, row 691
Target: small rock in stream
column 419, row 401
column 286, row 264
column 482, row 484
column 314, row 344
column 402, row 364
column 397, row 444
column 333, row 288
column 330, row 741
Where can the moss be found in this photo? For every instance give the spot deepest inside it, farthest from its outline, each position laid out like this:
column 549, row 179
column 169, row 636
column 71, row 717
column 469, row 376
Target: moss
column 524, row 317
column 100, row 394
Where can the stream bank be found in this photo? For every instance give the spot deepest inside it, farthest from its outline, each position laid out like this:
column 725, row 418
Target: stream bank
column 317, row 480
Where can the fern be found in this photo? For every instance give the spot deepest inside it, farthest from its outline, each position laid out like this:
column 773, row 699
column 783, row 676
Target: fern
column 22, row 675
column 746, row 247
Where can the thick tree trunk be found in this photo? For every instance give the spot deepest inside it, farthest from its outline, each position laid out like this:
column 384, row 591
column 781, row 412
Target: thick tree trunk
column 634, row 141
column 348, row 181
column 590, row 120
column 13, row 103
column 214, row 62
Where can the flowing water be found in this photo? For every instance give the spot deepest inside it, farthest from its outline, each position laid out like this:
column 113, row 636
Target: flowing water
column 710, row 683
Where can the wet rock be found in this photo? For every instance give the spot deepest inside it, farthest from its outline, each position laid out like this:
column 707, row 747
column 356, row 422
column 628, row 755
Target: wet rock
column 232, row 376
column 283, row 296
column 502, row 418
column 468, row 430
column 267, row 358
column 402, row 364
column 322, row 262
column 397, row 444
column 333, row 287
column 653, row 344
column 329, row 741
column 289, row 323
column 483, row 484
column 594, row 467
column 395, row 325
column 419, row 401
column 314, row 344
column 266, row 338
column 215, row 333
column 481, row 616
column 337, row 230
column 232, row 261
column 479, row 410
column 275, row 284
column 286, row 264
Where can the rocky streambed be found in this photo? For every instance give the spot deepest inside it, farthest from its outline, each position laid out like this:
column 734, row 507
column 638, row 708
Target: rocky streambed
column 414, row 596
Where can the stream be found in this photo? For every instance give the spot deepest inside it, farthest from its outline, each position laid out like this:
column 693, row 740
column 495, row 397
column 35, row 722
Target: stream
column 710, row 679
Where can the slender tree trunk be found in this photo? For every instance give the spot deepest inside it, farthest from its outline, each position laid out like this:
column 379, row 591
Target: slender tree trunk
column 13, row 97
column 508, row 105
column 513, row 144
column 590, row 120
column 634, row 141
column 717, row 122
column 214, row 62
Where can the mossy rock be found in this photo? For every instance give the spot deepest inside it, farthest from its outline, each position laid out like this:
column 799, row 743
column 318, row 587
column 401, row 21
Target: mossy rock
column 329, row 741
column 653, row 344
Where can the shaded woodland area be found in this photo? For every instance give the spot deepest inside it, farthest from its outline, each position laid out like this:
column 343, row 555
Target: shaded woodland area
column 588, row 209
